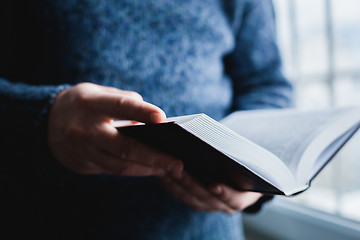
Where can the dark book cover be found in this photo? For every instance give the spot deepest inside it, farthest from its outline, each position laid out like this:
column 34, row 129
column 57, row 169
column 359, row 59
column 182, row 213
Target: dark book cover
column 205, row 163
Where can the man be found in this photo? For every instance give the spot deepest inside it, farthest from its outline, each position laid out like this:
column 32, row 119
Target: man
column 69, row 68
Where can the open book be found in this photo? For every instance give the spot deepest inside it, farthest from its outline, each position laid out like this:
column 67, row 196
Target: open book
column 269, row 151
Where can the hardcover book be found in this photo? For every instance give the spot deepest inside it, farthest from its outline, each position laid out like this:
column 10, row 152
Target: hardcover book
column 270, row 151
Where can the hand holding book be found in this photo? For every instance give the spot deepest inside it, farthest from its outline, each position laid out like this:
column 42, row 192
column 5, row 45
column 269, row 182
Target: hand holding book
column 217, row 197
column 81, row 137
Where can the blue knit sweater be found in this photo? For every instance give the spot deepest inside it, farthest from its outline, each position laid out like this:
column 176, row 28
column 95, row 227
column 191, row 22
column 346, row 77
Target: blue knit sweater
column 186, row 56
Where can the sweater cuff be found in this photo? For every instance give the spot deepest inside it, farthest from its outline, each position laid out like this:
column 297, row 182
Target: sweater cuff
column 54, row 172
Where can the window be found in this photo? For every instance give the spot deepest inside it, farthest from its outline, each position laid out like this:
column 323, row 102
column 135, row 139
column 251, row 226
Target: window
column 320, row 43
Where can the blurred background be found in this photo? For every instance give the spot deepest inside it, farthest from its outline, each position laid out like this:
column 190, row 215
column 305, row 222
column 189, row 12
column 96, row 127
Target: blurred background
column 320, row 45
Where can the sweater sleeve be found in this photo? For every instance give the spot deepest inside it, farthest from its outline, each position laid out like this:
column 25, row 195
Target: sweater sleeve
column 255, row 64
column 255, row 67
column 23, row 126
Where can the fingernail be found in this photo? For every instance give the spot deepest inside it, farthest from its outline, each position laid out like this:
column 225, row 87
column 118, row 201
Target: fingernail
column 227, row 211
column 178, row 175
column 161, row 173
column 217, row 189
column 155, row 117
column 175, row 168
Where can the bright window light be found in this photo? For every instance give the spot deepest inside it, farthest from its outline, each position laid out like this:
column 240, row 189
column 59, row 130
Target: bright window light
column 320, row 44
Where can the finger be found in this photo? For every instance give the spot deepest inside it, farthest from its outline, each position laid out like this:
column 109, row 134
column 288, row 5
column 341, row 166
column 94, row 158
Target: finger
column 87, row 159
column 120, row 146
column 203, row 194
column 84, row 167
column 87, row 168
column 178, row 191
column 77, row 160
column 235, row 199
column 129, row 108
column 110, row 164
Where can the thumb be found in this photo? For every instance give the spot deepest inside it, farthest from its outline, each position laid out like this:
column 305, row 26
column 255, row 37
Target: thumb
column 124, row 107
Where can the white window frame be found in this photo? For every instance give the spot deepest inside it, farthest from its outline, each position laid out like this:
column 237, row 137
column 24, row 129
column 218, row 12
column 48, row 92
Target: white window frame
column 282, row 219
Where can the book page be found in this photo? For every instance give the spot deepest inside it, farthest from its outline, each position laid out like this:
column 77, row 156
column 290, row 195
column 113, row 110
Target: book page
column 329, row 151
column 285, row 133
column 257, row 159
